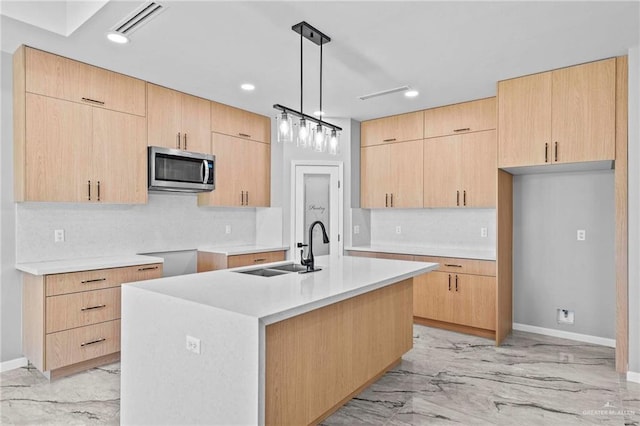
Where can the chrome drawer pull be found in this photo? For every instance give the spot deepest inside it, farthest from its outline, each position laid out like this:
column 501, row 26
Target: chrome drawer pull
column 148, row 268
column 259, row 260
column 93, row 101
column 93, row 281
column 453, row 265
column 93, row 307
column 92, row 342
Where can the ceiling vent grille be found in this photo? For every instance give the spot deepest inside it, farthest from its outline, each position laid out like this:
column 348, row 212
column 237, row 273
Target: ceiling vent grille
column 384, row 92
column 138, row 18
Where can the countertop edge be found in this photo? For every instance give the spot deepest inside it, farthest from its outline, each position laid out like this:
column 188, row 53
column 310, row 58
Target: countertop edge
column 85, row 264
column 232, row 251
column 427, row 251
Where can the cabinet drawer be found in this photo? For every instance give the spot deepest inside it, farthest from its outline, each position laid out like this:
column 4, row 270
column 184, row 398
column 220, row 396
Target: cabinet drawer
column 74, row 282
column 461, row 266
column 396, row 128
column 58, row 77
column 460, row 118
column 79, row 309
column 254, row 258
column 83, row 343
column 237, row 122
column 377, row 255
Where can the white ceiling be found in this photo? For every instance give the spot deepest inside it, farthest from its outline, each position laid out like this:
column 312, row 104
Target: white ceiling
column 449, row 51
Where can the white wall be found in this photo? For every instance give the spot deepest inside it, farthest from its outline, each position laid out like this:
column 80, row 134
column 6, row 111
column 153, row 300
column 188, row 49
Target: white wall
column 551, row 269
column 634, row 210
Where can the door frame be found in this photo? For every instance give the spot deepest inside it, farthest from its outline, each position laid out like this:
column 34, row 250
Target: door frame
column 292, row 221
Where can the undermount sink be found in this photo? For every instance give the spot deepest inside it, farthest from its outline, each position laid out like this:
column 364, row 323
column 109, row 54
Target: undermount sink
column 273, row 271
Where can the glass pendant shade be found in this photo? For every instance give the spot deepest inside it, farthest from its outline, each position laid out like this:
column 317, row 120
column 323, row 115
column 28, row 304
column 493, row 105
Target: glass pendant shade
column 285, row 128
column 334, row 140
column 303, row 133
column 319, row 139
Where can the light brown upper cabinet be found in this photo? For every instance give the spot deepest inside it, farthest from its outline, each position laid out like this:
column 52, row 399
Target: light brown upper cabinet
column 391, row 175
column 58, row 77
column 243, row 173
column 465, row 117
column 237, row 122
column 178, row 120
column 68, row 150
column 460, row 170
column 396, row 128
column 561, row 116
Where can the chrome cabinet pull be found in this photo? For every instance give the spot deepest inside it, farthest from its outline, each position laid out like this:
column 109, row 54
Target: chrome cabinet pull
column 452, row 265
column 98, row 190
column 185, row 141
column 147, row 268
column 178, row 141
column 386, row 200
column 449, row 282
column 89, row 187
column 456, row 282
column 556, row 151
column 546, row 155
column 93, row 101
column 244, row 135
column 457, row 198
column 93, row 281
column 93, row 307
column 466, row 129
column 389, row 140
column 464, row 197
column 93, row 342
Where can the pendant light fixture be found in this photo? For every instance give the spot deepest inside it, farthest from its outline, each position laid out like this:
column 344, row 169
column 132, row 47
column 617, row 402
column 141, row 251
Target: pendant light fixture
column 310, row 132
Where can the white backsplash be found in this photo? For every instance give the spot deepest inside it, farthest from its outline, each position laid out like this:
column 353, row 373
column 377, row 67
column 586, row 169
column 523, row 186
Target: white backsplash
column 451, row 228
column 167, row 222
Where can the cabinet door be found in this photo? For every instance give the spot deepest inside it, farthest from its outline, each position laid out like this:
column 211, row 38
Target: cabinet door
column 432, row 296
column 119, row 157
column 374, row 176
column 442, row 172
column 396, row 128
column 524, row 120
column 58, row 150
column 583, row 123
column 55, row 76
column 405, row 165
column 230, row 167
column 258, row 174
column 117, row 91
column 475, row 301
column 164, row 116
column 195, row 128
column 238, row 122
column 479, row 169
column 460, row 118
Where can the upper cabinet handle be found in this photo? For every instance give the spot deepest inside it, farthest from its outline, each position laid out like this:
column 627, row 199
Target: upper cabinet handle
column 244, row 135
column 389, row 140
column 546, row 150
column 178, row 141
column 93, row 101
column 466, row 129
column 89, row 186
column 556, row 151
column 457, row 198
column 185, row 141
column 386, row 200
column 98, row 190
column 464, row 197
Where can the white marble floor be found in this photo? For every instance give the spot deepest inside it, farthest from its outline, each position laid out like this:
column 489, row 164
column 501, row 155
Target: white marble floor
column 446, row 378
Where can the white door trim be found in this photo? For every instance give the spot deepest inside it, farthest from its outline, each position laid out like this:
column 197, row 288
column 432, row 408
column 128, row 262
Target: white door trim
column 292, row 224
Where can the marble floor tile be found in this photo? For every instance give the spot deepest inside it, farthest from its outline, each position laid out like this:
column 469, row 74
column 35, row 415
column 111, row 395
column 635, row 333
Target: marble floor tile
column 447, row 378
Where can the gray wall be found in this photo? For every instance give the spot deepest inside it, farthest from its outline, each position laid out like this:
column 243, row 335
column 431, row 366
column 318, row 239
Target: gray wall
column 634, row 210
column 551, row 268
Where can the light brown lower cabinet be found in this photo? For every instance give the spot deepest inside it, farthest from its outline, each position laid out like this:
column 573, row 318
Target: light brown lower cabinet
column 71, row 321
column 213, row 261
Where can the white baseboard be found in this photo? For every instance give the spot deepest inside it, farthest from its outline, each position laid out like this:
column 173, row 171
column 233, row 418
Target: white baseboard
column 633, row 377
column 566, row 335
column 12, row 364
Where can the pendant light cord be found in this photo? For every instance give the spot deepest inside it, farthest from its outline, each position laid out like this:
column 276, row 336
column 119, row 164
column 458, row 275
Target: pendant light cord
column 321, row 112
column 301, row 73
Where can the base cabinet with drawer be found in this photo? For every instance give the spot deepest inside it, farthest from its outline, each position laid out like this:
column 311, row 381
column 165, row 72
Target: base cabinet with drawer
column 208, row 261
column 71, row 321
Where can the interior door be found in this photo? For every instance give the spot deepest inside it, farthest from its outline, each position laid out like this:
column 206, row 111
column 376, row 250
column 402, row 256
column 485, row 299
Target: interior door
column 318, row 196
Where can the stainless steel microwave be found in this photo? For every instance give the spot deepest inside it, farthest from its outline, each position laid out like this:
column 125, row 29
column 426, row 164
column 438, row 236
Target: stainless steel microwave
column 181, row 171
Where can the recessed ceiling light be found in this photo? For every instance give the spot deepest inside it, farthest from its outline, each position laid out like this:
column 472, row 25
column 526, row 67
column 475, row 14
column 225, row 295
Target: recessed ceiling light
column 411, row 93
column 247, row 86
column 117, row 37
column 318, row 113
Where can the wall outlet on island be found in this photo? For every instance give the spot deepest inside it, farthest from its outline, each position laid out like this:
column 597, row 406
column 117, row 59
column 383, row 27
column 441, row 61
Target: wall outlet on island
column 227, row 229
column 193, row 344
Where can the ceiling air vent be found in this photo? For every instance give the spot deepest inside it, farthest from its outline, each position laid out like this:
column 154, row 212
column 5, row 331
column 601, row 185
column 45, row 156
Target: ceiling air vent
column 138, row 18
column 384, row 92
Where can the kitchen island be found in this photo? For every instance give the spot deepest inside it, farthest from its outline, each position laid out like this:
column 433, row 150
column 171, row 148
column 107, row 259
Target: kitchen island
column 224, row 347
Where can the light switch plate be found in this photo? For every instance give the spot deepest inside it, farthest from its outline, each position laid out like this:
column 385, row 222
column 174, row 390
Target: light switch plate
column 193, row 344
column 58, row 235
column 581, row 235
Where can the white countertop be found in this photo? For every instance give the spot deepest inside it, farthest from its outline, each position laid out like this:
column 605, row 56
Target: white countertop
column 246, row 249
column 464, row 253
column 272, row 299
column 85, row 264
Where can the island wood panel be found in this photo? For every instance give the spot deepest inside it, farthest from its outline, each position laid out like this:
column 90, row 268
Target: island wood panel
column 621, row 200
column 79, row 309
column 583, row 106
column 318, row 360
column 33, row 319
column 19, row 124
column 524, row 120
column 504, row 249
column 459, row 118
column 395, row 128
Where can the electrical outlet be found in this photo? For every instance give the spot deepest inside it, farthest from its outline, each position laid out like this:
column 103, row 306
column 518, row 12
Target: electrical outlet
column 58, row 235
column 565, row 316
column 483, row 232
column 581, row 235
column 356, row 229
column 398, row 229
column 193, row 344
column 227, row 229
